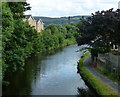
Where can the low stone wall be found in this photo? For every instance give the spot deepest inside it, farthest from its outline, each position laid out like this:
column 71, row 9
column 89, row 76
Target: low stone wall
column 108, row 60
column 114, row 60
column 100, row 65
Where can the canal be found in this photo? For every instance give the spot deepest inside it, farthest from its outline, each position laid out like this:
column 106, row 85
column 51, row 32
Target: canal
column 54, row 73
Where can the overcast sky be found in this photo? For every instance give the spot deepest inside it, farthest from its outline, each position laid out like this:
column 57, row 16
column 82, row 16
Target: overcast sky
column 61, row 8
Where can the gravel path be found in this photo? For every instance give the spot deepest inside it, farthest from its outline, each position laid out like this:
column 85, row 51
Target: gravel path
column 101, row 77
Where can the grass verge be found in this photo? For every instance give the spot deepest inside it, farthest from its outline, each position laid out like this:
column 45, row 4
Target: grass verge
column 100, row 87
column 109, row 75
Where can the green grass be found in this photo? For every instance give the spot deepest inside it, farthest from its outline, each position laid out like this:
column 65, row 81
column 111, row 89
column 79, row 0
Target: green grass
column 84, row 57
column 111, row 76
column 100, row 87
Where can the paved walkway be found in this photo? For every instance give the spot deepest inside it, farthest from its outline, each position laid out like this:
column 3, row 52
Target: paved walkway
column 101, row 77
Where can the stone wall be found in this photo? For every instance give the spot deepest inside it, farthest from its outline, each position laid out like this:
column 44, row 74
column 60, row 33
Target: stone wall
column 108, row 60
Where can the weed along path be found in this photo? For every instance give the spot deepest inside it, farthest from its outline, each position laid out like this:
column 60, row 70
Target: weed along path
column 54, row 73
column 108, row 82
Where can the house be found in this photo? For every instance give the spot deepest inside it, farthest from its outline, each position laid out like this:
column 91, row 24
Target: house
column 30, row 20
column 37, row 24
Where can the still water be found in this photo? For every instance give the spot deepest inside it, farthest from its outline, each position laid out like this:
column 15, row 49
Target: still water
column 54, row 73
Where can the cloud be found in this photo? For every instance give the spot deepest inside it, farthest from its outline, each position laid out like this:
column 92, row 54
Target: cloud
column 58, row 8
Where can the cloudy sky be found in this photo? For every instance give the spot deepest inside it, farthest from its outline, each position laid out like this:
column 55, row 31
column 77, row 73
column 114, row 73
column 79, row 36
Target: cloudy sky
column 61, row 8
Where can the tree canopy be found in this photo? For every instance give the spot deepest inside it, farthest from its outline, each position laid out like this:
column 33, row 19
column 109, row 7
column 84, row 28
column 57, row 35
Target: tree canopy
column 102, row 27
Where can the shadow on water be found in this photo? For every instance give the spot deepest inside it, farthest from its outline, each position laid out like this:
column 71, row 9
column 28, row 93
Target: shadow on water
column 85, row 93
column 23, row 79
column 53, row 72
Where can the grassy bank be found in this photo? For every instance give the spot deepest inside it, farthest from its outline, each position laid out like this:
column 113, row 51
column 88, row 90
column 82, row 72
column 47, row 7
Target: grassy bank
column 100, row 87
column 114, row 76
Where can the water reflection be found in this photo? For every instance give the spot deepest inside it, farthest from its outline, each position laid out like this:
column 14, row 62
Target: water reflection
column 53, row 73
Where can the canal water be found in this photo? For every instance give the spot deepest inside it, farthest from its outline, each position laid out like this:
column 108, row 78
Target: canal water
column 54, row 73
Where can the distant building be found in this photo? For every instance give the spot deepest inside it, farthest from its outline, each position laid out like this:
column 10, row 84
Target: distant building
column 37, row 24
column 30, row 20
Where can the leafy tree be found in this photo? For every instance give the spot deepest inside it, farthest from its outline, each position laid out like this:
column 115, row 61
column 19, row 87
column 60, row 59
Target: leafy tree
column 18, row 8
column 7, row 30
column 53, row 28
column 18, row 39
column 61, row 38
column 107, row 23
column 102, row 27
column 85, row 31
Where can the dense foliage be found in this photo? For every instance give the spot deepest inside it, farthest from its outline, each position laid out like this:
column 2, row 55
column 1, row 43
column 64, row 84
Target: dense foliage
column 101, row 30
column 55, row 36
column 20, row 40
column 85, row 30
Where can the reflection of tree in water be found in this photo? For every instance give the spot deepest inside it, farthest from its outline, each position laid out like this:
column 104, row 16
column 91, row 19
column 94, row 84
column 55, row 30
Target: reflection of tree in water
column 84, row 93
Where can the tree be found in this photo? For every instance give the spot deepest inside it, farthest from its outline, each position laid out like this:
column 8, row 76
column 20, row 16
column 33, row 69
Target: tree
column 18, row 8
column 85, row 30
column 107, row 25
column 7, row 30
column 18, row 38
column 53, row 28
column 101, row 27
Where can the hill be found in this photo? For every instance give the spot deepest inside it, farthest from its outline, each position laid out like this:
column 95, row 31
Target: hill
column 61, row 20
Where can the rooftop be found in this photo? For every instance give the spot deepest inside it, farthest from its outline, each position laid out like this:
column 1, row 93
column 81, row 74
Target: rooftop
column 27, row 16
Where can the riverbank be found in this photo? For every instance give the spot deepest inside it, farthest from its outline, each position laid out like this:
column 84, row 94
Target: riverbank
column 99, row 86
column 16, row 51
column 66, row 43
column 46, row 75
